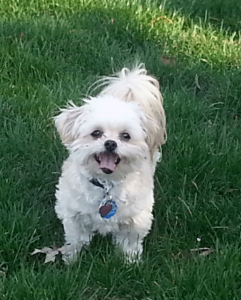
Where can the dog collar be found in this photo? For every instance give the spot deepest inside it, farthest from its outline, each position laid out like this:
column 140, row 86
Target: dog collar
column 108, row 207
column 96, row 182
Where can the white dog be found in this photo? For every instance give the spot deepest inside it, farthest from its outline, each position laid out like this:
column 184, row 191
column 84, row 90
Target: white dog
column 106, row 184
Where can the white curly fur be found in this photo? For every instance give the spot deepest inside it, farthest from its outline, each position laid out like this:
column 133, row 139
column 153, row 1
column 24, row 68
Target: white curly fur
column 130, row 103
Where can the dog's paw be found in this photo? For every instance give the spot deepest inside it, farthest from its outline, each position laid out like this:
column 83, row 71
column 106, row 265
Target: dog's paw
column 133, row 257
column 69, row 253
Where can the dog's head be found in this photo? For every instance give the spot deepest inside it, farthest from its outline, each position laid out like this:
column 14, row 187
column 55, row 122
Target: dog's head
column 105, row 136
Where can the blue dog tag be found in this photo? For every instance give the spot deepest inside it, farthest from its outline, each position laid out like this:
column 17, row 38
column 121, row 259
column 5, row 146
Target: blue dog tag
column 107, row 209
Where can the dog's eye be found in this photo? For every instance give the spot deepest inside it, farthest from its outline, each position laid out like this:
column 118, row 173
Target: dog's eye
column 126, row 136
column 97, row 134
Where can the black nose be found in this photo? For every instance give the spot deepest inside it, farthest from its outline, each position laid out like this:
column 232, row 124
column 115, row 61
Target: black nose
column 110, row 145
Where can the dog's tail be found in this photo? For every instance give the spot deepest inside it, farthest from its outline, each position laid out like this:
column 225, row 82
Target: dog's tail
column 136, row 85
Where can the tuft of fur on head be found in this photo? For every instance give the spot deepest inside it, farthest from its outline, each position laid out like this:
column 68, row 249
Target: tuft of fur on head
column 135, row 85
column 128, row 86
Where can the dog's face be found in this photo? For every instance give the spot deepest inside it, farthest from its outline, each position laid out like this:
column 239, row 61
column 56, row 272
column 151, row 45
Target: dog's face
column 105, row 136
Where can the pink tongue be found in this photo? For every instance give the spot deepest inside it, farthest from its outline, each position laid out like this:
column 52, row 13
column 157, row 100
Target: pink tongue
column 107, row 161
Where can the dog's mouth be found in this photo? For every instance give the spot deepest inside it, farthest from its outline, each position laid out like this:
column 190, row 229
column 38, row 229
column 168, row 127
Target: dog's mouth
column 107, row 161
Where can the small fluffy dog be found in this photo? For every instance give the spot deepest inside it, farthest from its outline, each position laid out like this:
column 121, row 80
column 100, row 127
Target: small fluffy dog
column 113, row 140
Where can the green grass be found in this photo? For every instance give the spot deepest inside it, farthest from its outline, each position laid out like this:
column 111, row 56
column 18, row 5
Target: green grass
column 50, row 52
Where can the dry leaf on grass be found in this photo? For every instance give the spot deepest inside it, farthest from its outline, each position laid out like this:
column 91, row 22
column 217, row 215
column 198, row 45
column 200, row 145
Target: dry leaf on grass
column 197, row 252
column 202, row 251
column 206, row 253
column 168, row 60
column 52, row 253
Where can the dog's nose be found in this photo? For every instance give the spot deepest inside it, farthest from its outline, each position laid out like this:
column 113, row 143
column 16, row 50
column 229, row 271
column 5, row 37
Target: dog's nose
column 110, row 145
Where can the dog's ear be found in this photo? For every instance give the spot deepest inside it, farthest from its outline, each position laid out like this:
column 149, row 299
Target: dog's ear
column 156, row 134
column 68, row 122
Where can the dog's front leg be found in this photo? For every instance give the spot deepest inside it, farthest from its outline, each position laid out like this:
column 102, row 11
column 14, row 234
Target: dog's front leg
column 131, row 245
column 76, row 236
column 130, row 236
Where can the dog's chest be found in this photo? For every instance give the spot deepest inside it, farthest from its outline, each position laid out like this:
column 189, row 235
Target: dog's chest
column 96, row 198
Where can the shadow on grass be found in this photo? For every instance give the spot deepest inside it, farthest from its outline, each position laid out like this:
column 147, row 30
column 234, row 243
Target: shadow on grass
column 74, row 51
column 99, row 41
column 220, row 13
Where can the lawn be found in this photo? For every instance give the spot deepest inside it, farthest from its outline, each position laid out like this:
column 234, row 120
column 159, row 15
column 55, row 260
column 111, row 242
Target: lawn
column 50, row 52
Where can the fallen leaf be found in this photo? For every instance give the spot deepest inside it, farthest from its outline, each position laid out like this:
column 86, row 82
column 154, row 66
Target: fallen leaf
column 168, row 60
column 199, row 249
column 206, row 253
column 51, row 253
column 203, row 251
column 197, row 252
column 43, row 250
